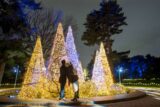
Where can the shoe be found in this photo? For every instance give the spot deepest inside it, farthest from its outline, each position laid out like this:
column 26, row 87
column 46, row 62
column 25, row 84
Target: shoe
column 62, row 99
column 74, row 99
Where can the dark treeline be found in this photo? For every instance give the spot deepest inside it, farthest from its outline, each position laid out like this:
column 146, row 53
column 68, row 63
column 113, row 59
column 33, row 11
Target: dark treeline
column 138, row 67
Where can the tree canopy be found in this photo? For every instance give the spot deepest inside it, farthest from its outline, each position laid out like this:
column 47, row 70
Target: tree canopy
column 101, row 24
column 13, row 29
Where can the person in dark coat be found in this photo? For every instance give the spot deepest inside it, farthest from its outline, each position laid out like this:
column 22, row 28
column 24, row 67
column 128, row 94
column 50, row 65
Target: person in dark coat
column 62, row 79
column 73, row 78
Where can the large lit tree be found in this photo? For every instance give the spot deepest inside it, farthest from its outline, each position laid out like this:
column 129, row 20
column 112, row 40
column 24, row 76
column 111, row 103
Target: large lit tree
column 73, row 55
column 106, row 67
column 101, row 24
column 98, row 75
column 35, row 70
column 101, row 74
column 57, row 53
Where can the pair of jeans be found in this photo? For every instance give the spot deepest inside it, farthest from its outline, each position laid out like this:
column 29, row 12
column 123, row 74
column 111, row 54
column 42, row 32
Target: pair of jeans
column 76, row 89
column 62, row 94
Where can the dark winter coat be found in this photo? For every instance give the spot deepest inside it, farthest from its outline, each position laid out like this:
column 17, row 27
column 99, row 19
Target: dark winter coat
column 72, row 74
column 63, row 76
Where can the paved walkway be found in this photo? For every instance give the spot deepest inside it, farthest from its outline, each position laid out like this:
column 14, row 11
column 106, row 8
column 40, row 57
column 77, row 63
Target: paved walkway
column 147, row 101
column 155, row 92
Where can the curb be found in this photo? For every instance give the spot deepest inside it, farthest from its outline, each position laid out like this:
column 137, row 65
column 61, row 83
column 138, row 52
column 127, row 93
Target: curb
column 82, row 102
column 120, row 98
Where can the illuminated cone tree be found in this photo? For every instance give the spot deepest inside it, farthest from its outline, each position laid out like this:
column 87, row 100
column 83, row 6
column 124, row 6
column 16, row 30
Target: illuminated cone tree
column 101, row 72
column 106, row 67
column 73, row 55
column 57, row 53
column 98, row 76
column 35, row 70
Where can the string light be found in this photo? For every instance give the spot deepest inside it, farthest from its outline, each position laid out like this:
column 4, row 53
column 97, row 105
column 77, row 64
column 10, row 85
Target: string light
column 35, row 69
column 106, row 67
column 39, row 83
column 72, row 54
column 57, row 53
column 98, row 76
column 102, row 75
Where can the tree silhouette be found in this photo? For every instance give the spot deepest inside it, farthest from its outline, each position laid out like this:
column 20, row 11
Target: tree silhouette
column 103, row 23
column 13, row 28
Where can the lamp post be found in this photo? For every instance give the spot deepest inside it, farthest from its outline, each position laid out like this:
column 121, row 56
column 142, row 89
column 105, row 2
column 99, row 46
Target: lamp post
column 120, row 70
column 16, row 70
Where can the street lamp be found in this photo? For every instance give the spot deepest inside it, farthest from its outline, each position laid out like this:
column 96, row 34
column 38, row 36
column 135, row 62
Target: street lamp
column 16, row 70
column 120, row 70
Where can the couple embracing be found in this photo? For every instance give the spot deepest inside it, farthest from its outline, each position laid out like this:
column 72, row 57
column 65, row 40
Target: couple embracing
column 68, row 72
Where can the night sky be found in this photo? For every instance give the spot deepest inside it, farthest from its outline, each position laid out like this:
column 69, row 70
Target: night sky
column 141, row 36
